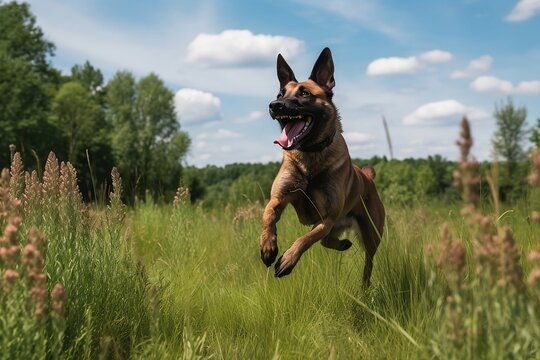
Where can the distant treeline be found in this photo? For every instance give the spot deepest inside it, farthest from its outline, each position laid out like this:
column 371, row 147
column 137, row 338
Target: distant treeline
column 399, row 181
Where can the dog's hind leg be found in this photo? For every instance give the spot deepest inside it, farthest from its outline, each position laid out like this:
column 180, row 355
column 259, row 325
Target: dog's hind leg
column 332, row 241
column 371, row 225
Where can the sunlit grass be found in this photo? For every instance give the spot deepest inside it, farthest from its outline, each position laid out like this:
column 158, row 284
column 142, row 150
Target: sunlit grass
column 183, row 281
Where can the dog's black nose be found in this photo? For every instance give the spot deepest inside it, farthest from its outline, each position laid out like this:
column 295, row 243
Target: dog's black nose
column 277, row 105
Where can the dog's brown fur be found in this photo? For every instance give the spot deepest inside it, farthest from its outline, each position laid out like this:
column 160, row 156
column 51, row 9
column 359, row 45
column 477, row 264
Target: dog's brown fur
column 318, row 178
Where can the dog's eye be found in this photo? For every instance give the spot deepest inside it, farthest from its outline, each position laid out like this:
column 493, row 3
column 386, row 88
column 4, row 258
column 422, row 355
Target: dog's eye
column 304, row 93
column 281, row 93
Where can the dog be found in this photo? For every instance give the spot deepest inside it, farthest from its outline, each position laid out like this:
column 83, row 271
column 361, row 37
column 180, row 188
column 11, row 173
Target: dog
column 317, row 176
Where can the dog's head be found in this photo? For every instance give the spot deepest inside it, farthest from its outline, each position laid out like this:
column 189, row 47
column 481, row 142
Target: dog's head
column 305, row 111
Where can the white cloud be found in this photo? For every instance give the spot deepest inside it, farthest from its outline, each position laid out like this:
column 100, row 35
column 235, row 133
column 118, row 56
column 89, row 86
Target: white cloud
column 524, row 10
column 393, row 66
column 436, row 56
column 492, row 84
column 357, row 138
column 406, row 65
column 196, row 107
column 529, row 87
column 240, row 48
column 475, row 66
column 249, row 118
column 443, row 112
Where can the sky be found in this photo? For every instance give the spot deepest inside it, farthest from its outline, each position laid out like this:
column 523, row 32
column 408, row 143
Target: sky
column 420, row 64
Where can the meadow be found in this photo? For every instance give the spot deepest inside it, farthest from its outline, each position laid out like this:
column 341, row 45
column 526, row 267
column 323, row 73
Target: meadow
column 179, row 280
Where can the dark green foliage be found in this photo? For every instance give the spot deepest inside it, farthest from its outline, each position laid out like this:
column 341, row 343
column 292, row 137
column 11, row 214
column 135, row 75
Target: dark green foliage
column 510, row 134
column 399, row 181
column 91, row 78
column 508, row 144
column 231, row 184
column 27, row 83
column 535, row 134
column 146, row 139
column 129, row 123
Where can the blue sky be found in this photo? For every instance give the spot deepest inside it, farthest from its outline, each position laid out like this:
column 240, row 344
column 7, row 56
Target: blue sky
column 421, row 64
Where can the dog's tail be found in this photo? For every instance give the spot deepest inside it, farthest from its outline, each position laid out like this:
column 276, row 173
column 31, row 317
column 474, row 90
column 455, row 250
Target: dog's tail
column 369, row 171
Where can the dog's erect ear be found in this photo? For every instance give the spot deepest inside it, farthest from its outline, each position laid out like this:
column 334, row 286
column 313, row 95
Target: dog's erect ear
column 284, row 72
column 323, row 70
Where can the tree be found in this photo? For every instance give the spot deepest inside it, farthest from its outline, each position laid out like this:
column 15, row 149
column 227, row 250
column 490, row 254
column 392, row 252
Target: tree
column 27, row 82
column 76, row 115
column 146, row 139
column 510, row 133
column 80, row 122
column 508, row 141
column 535, row 134
column 91, row 78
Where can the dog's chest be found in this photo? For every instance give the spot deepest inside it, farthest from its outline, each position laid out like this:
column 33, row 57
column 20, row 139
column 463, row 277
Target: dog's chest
column 311, row 204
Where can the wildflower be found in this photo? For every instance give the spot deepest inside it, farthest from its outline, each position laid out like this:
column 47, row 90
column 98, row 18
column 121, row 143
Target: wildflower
column 466, row 177
column 9, row 243
column 11, row 276
column 34, row 260
column 182, row 193
column 451, row 257
column 59, row 299
column 51, row 179
column 68, row 188
column 12, row 149
column 16, row 181
column 534, row 276
column 510, row 271
column 33, row 192
column 117, row 210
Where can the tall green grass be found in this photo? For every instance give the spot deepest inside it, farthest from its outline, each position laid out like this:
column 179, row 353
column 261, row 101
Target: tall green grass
column 182, row 281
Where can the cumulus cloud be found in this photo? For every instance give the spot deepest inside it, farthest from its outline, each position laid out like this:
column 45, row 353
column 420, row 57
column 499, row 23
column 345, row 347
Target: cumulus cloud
column 494, row 84
column 249, row 118
column 407, row 65
column 240, row 48
column 529, row 87
column 443, row 112
column 524, row 10
column 393, row 66
column 196, row 107
column 436, row 56
column 491, row 84
column 475, row 66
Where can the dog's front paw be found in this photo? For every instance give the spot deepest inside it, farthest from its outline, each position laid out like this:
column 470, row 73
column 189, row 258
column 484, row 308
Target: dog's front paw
column 269, row 251
column 285, row 264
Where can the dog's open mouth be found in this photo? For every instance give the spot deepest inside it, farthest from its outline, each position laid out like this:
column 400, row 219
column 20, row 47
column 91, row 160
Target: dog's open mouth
column 295, row 128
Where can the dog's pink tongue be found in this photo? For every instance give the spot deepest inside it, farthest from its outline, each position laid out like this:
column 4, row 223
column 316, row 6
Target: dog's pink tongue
column 290, row 130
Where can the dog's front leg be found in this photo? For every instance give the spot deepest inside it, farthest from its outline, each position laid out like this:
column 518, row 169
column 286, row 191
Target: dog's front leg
column 288, row 260
column 268, row 240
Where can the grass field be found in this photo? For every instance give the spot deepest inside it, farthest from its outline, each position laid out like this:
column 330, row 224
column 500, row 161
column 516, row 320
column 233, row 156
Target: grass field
column 182, row 281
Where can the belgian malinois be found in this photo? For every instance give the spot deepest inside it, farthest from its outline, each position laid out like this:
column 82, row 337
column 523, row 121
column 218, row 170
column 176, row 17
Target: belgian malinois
column 317, row 176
